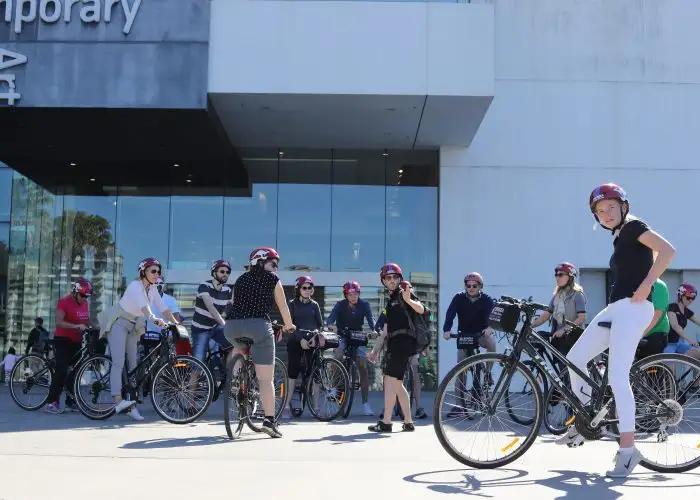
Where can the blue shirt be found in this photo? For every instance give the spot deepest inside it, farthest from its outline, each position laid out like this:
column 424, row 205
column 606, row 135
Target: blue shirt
column 472, row 317
column 344, row 316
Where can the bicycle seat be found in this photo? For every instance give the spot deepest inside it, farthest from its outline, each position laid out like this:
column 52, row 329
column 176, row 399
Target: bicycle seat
column 605, row 324
column 245, row 340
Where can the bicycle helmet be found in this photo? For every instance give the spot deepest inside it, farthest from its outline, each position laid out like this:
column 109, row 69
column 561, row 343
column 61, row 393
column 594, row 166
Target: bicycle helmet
column 351, row 286
column 263, row 254
column 390, row 268
column 566, row 267
column 220, row 263
column 687, row 290
column 608, row 191
column 302, row 280
column 148, row 262
column 82, row 287
column 474, row 277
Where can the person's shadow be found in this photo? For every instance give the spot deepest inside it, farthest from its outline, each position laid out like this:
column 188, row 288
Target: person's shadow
column 341, row 439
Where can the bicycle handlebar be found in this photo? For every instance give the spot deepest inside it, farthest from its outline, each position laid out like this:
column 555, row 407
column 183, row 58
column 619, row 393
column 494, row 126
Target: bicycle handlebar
column 527, row 303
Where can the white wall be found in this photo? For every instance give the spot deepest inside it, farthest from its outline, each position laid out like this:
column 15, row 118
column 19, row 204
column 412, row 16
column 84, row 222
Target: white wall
column 586, row 93
column 336, row 47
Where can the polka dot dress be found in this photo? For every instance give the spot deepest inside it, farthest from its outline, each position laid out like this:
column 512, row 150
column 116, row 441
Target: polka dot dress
column 254, row 294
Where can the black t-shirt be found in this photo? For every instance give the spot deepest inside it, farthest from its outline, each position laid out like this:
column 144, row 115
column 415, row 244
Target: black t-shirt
column 682, row 318
column 254, row 294
column 630, row 261
column 395, row 316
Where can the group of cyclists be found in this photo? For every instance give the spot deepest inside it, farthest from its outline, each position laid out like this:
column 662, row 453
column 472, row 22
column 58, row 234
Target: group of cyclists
column 638, row 306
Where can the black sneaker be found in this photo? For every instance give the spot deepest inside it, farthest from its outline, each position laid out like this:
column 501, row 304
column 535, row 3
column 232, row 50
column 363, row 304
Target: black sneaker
column 380, row 427
column 408, row 427
column 420, row 413
column 270, row 428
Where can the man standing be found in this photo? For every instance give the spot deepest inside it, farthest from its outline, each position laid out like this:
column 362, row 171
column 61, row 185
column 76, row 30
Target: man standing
column 212, row 297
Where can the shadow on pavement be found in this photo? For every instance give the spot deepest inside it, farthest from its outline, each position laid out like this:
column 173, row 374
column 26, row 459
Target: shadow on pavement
column 570, row 485
column 150, row 444
column 339, row 439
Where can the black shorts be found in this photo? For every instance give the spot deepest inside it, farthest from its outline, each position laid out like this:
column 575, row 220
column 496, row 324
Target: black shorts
column 399, row 350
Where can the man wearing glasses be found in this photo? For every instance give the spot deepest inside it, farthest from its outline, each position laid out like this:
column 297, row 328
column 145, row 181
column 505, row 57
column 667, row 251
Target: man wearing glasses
column 212, row 297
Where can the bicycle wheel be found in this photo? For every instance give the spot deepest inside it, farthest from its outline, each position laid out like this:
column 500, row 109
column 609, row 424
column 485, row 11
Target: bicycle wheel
column 557, row 412
column 666, row 433
column 352, row 373
column 255, row 408
column 487, row 426
column 30, row 382
column 235, row 402
column 327, row 389
column 182, row 390
column 92, row 388
column 541, row 381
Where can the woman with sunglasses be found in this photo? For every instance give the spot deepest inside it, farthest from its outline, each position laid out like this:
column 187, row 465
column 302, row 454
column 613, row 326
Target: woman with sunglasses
column 306, row 315
column 255, row 294
column 137, row 304
column 678, row 315
column 401, row 345
column 72, row 318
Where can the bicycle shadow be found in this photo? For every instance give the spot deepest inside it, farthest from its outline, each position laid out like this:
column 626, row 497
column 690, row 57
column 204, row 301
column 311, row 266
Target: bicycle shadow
column 570, row 485
column 345, row 439
column 150, row 444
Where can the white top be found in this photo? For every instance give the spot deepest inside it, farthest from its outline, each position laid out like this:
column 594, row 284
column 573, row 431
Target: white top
column 9, row 362
column 134, row 299
column 170, row 304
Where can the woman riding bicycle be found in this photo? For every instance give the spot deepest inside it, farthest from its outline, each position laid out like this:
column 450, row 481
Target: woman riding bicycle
column 306, row 315
column 568, row 303
column 639, row 257
column 400, row 347
column 254, row 295
column 72, row 318
column 678, row 315
column 137, row 304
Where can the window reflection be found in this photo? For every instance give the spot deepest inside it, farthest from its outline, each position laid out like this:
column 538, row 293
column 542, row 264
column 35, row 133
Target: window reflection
column 138, row 236
column 5, row 193
column 196, row 231
column 250, row 222
column 4, row 257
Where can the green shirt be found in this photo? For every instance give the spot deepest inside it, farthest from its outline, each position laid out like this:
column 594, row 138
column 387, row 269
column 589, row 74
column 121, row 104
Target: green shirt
column 659, row 297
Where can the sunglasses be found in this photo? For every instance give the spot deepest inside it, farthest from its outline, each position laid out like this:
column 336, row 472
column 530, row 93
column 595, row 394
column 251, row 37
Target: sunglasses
column 85, row 296
column 392, row 277
column 473, row 286
column 154, row 271
column 690, row 299
column 274, row 265
column 560, row 275
column 225, row 272
column 307, row 288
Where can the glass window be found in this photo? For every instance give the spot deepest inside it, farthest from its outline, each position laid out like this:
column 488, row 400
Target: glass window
column 137, row 239
column 250, row 222
column 4, row 257
column 5, row 193
column 304, row 207
column 196, row 231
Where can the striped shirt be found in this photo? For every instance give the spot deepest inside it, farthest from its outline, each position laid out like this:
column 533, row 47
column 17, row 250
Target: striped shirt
column 202, row 319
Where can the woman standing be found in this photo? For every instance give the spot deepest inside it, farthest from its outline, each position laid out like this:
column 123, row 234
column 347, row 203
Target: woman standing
column 138, row 302
column 306, row 315
column 640, row 256
column 401, row 345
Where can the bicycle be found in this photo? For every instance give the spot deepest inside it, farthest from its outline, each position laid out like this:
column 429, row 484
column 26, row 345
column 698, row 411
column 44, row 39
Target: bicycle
column 479, row 377
column 352, row 340
column 243, row 393
column 180, row 387
column 659, row 412
column 34, row 371
column 216, row 362
column 323, row 379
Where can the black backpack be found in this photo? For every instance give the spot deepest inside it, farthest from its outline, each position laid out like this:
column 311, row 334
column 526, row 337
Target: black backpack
column 419, row 326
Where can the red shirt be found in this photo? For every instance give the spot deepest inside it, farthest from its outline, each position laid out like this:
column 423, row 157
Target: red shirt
column 74, row 313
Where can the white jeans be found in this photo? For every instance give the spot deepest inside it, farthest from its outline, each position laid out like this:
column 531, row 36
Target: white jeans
column 629, row 320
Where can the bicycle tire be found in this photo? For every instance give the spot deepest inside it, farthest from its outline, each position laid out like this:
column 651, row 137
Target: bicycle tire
column 85, row 407
column 12, row 383
column 343, row 393
column 160, row 372
column 234, row 431
column 548, row 400
column 539, row 376
column 496, row 359
column 349, row 367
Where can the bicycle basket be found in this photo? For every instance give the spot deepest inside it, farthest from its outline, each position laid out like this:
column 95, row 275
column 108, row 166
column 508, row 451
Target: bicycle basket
column 332, row 340
column 355, row 338
column 180, row 332
column 504, row 317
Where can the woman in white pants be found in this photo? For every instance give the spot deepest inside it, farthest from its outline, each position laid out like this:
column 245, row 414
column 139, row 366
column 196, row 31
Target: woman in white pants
column 123, row 339
column 639, row 257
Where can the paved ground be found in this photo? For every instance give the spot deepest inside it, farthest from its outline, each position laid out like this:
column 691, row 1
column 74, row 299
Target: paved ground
column 69, row 457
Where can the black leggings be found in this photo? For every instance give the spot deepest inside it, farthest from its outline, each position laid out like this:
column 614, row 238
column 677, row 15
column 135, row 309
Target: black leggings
column 64, row 350
column 294, row 355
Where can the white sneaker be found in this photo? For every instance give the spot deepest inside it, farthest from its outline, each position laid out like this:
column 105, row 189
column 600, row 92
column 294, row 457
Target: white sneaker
column 134, row 413
column 124, row 404
column 367, row 410
column 572, row 438
column 625, row 460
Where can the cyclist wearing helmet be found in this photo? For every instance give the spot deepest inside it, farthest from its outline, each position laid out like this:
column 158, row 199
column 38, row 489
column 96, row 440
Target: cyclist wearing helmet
column 678, row 316
column 72, row 318
column 137, row 304
column 401, row 345
column 640, row 256
column 567, row 303
column 255, row 294
column 472, row 308
column 151, row 339
column 351, row 313
column 306, row 315
column 212, row 298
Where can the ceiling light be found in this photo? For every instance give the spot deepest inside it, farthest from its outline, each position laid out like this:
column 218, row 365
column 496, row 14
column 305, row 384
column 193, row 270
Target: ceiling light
column 385, row 154
column 188, row 180
column 92, row 179
column 401, row 171
column 281, row 153
column 176, row 164
column 72, row 164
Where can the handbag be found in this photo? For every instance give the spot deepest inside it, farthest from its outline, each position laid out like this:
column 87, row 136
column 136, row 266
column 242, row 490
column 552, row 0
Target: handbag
column 419, row 328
